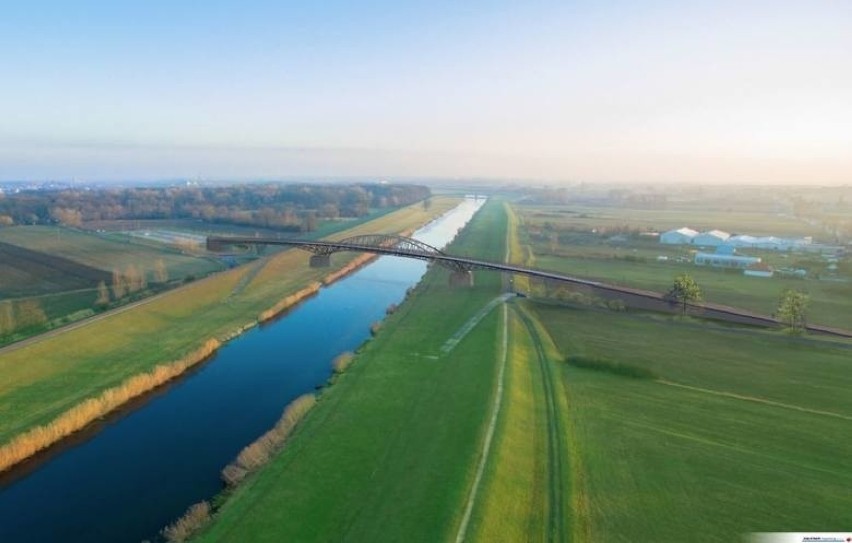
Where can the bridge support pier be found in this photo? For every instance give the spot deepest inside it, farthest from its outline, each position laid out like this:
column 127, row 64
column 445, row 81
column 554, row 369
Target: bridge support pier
column 461, row 279
column 320, row 261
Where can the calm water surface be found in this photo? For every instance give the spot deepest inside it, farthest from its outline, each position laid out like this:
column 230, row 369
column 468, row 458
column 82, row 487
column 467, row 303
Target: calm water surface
column 142, row 469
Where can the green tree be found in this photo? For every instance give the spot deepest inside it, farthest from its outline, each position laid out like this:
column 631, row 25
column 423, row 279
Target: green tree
column 685, row 291
column 792, row 309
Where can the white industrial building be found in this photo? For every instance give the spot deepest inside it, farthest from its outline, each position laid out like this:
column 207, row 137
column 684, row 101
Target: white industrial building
column 681, row 236
column 711, row 238
column 717, row 260
column 771, row 243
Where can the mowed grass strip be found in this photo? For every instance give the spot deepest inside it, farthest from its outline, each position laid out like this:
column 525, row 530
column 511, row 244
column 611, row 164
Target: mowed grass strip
column 41, row 380
column 525, row 495
column 656, row 462
column 512, row 503
column 390, row 451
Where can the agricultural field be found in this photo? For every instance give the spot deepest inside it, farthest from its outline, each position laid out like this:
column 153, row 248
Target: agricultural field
column 26, row 272
column 325, row 227
column 680, row 430
column 44, row 378
column 49, row 276
column 615, row 251
column 390, row 451
column 104, row 253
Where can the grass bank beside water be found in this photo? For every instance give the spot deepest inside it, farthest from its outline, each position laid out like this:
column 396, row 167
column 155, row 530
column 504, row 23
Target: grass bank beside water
column 390, row 450
column 43, row 380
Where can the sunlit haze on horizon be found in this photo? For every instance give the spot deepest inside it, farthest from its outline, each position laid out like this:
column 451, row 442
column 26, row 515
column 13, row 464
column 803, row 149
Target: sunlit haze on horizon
column 619, row 91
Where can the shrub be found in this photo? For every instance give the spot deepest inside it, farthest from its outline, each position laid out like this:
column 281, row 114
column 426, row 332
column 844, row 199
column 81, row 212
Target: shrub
column 610, row 366
column 342, row 361
column 193, row 520
column 616, row 305
column 258, row 453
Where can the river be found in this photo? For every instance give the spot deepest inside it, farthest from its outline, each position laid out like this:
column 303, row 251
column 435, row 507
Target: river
column 137, row 471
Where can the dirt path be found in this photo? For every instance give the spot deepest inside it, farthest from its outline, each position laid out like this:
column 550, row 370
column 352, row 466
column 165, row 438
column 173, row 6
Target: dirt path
column 471, row 323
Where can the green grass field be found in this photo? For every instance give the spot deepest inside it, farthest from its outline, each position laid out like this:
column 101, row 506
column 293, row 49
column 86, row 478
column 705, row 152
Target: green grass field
column 46, row 377
column 634, row 263
column 830, row 302
column 389, row 452
column 737, row 431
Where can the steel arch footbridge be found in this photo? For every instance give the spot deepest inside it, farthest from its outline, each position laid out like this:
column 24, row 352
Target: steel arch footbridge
column 382, row 244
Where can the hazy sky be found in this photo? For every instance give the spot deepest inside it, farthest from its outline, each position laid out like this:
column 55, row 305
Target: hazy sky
column 634, row 90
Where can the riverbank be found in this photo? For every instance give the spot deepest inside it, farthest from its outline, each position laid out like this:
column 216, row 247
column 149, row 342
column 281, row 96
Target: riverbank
column 43, row 380
column 389, row 452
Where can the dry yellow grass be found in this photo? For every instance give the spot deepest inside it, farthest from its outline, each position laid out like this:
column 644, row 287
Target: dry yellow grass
column 342, row 361
column 354, row 264
column 193, row 520
column 41, row 437
column 259, row 452
column 513, row 505
column 288, row 302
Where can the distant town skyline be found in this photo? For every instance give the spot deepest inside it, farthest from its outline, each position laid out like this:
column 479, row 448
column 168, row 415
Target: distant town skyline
column 621, row 91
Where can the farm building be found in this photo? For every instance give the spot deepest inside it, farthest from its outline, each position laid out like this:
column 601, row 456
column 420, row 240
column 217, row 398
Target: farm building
column 711, row 238
column 717, row 260
column 759, row 270
column 771, row 243
column 681, row 236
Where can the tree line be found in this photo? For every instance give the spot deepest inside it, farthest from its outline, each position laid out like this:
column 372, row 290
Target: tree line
column 284, row 206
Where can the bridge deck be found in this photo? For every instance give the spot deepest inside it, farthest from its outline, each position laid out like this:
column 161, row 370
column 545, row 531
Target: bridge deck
column 641, row 298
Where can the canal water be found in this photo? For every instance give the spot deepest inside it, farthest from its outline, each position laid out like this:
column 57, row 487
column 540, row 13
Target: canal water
column 141, row 469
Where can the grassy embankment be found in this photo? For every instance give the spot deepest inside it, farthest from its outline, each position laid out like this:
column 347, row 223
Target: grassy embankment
column 42, row 380
column 389, row 452
column 703, row 434
column 634, row 263
column 524, row 494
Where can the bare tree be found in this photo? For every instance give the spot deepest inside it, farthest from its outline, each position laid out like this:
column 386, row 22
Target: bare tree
column 7, row 318
column 103, row 295
column 29, row 313
column 119, row 285
column 161, row 274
